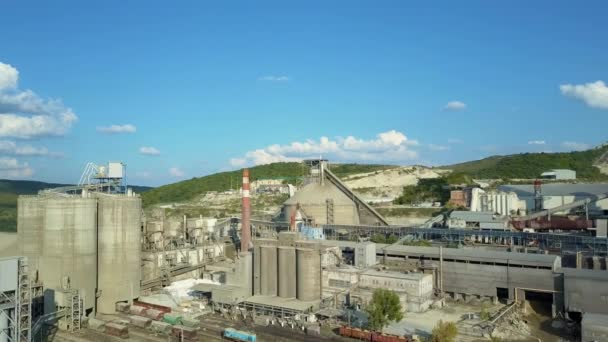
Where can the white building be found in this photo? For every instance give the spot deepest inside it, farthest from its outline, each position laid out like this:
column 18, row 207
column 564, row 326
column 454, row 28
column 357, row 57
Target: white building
column 415, row 290
column 559, row 174
column 556, row 194
column 479, row 220
column 503, row 203
column 417, row 287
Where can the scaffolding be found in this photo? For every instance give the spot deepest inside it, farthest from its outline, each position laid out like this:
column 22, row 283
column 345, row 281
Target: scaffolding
column 15, row 305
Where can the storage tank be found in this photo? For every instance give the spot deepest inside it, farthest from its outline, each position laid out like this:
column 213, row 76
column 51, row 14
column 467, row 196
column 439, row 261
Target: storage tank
column 30, row 219
column 69, row 245
column 309, row 274
column 119, row 250
column 268, row 271
column 287, row 272
column 313, row 199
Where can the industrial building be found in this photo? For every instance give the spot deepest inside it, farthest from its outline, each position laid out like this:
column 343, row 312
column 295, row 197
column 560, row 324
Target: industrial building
column 95, row 253
column 559, row 174
column 325, row 199
column 480, row 220
column 557, row 194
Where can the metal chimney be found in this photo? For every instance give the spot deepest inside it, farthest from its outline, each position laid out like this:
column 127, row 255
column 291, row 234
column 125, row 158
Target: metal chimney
column 246, row 213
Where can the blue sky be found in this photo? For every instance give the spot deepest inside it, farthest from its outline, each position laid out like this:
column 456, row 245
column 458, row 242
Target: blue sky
column 198, row 87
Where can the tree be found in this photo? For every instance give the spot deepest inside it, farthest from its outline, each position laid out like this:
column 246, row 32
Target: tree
column 383, row 308
column 444, row 332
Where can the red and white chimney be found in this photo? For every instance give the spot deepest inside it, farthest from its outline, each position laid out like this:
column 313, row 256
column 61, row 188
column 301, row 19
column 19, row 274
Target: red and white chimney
column 246, row 213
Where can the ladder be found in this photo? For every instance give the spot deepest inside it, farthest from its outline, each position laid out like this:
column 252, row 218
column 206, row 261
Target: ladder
column 23, row 312
column 75, row 308
column 330, row 211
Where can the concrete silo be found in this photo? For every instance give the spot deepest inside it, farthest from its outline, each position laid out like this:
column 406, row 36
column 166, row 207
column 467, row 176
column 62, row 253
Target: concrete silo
column 287, row 271
column 268, row 273
column 119, row 236
column 30, row 223
column 324, row 203
column 68, row 258
column 309, row 274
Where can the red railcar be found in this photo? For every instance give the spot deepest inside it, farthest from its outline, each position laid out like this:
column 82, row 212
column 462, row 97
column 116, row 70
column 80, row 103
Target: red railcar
column 152, row 306
column 370, row 336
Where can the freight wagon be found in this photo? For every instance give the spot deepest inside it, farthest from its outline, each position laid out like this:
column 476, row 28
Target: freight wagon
column 371, row 336
column 239, row 336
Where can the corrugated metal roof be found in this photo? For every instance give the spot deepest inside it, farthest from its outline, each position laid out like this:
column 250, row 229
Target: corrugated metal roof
column 581, row 273
column 398, row 275
column 477, row 254
column 557, row 189
column 477, row 216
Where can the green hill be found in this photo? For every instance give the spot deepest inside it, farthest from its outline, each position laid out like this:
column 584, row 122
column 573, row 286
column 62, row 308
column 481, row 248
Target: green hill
column 11, row 189
column 289, row 172
column 531, row 165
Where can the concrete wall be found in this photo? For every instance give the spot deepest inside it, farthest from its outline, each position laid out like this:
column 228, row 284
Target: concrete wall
column 586, row 291
column 483, row 280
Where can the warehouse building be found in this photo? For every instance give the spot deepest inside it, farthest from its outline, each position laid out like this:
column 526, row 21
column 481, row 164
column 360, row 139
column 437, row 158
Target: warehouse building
column 480, row 273
column 481, row 220
column 559, row 174
column 585, row 291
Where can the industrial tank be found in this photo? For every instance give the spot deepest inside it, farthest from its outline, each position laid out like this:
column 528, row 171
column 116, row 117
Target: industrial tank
column 313, row 201
column 287, row 272
column 68, row 257
column 119, row 236
column 268, row 271
column 309, row 274
column 30, row 218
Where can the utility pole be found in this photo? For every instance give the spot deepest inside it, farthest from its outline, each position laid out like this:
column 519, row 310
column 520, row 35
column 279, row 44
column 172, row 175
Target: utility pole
column 441, row 270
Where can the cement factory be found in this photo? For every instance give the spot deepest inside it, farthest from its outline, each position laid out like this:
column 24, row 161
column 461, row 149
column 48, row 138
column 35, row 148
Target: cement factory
column 92, row 265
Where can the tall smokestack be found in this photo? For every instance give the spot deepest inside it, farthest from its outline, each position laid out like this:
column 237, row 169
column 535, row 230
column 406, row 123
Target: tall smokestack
column 245, row 213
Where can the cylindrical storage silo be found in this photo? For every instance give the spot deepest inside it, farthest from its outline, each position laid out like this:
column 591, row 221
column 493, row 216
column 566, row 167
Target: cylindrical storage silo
column 30, row 218
column 69, row 246
column 309, row 274
column 268, row 270
column 119, row 250
column 287, row 272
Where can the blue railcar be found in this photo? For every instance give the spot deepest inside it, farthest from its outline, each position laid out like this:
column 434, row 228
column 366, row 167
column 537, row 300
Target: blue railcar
column 237, row 335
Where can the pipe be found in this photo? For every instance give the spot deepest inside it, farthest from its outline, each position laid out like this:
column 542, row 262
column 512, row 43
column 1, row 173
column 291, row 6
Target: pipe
column 246, row 213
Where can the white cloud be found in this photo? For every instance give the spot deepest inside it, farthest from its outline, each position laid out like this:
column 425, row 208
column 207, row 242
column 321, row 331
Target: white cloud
column 273, row 78
column 11, row 148
column 176, row 172
column 8, row 76
column 454, row 141
column 238, row 162
column 536, row 142
column 149, row 151
column 434, row 147
column 575, row 146
column 594, row 94
column 143, row 174
column 24, row 114
column 11, row 168
column 113, row 129
column 455, row 105
column 390, row 146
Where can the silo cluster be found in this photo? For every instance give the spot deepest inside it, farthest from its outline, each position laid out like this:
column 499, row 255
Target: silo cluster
column 90, row 242
column 287, row 267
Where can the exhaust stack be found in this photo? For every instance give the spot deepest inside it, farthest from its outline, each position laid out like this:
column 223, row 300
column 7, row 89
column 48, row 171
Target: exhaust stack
column 246, row 213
